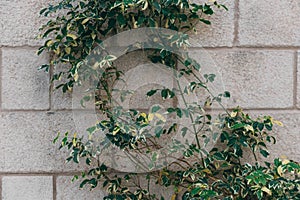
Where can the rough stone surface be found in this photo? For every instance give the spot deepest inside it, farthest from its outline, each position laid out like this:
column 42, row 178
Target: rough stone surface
column 271, row 23
column 23, row 86
column 26, row 142
column 256, row 79
column 66, row 190
column 20, row 22
column 220, row 33
column 60, row 100
column 27, row 188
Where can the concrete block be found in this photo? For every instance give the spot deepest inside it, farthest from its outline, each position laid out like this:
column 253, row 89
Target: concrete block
column 269, row 23
column 23, row 86
column 256, row 78
column 67, row 190
column 60, row 100
column 20, row 22
column 26, row 142
column 220, row 33
column 27, row 188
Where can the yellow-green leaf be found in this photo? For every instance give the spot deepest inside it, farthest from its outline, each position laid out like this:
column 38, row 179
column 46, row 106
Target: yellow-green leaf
column 68, row 50
column 74, row 37
column 280, row 171
column 85, row 21
column 150, row 117
column 49, row 42
column 266, row 190
column 159, row 116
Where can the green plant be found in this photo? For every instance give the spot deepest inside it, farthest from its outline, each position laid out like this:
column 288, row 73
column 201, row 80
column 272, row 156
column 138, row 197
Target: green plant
column 196, row 174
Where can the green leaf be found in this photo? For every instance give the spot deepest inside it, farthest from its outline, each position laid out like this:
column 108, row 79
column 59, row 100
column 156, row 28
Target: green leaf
column 210, row 77
column 179, row 112
column 237, row 126
column 121, row 20
column 207, row 9
column 88, row 161
column 261, row 126
column 158, row 131
column 76, row 156
column 184, row 131
column 56, row 138
column 93, row 182
column 75, row 177
column 157, row 6
column 83, row 183
column 151, row 22
column 151, row 93
column 154, row 157
column 269, row 127
column 224, row 7
column 264, row 153
column 167, row 93
column 259, row 194
column 219, row 156
column 43, row 10
column 164, row 93
column 226, row 94
column 154, row 109
column 205, row 21
column 195, row 191
column 196, row 66
column 91, row 129
column 45, row 67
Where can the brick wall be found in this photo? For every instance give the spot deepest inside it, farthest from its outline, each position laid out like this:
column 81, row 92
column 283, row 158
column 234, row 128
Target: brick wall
column 256, row 44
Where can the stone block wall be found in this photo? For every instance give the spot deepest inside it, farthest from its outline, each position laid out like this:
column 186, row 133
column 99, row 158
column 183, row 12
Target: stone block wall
column 256, row 44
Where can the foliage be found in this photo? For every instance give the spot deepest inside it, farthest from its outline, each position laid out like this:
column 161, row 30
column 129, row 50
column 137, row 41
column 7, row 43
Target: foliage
column 221, row 173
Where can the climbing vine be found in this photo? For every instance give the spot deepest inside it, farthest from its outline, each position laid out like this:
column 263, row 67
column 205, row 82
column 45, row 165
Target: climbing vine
column 77, row 36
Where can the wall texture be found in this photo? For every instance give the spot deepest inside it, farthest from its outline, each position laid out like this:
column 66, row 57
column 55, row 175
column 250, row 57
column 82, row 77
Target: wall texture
column 256, row 44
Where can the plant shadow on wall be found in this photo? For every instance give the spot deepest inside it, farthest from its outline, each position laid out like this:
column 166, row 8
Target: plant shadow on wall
column 126, row 149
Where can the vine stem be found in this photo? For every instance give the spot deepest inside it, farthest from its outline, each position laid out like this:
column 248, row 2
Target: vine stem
column 190, row 116
column 223, row 107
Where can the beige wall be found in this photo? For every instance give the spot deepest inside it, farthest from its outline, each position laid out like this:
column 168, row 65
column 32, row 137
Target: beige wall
column 256, row 44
